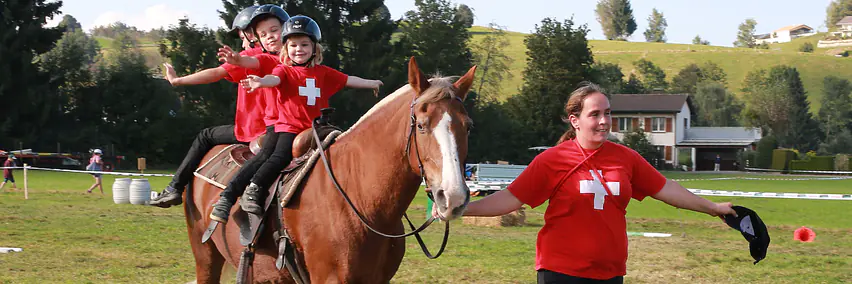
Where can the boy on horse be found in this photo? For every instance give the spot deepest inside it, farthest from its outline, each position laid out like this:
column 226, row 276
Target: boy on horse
column 255, row 113
column 305, row 87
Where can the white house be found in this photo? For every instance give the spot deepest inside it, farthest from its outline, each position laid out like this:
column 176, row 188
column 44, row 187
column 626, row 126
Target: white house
column 666, row 119
column 785, row 34
column 844, row 27
column 841, row 37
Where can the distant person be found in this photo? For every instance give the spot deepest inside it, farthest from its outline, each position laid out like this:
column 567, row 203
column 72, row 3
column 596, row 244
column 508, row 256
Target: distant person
column 7, row 173
column 718, row 163
column 96, row 164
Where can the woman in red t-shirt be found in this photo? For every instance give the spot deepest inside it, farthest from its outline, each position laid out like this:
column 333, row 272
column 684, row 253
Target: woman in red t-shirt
column 305, row 87
column 588, row 182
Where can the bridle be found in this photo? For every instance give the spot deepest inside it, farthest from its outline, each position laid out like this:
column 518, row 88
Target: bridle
column 409, row 140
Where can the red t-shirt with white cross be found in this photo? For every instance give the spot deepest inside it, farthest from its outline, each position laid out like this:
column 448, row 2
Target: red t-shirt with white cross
column 585, row 231
column 257, row 109
column 304, row 92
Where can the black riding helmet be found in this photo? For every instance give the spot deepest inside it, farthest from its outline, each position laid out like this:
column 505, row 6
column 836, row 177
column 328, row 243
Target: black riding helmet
column 270, row 9
column 243, row 19
column 264, row 11
column 301, row 25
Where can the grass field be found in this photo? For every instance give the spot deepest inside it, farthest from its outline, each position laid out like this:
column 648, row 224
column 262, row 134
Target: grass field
column 73, row 237
column 736, row 62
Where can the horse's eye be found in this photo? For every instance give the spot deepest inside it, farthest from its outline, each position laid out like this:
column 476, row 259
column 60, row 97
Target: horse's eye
column 420, row 127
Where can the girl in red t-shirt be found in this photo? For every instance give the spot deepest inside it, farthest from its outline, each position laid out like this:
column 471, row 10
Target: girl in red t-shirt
column 305, row 87
column 588, row 182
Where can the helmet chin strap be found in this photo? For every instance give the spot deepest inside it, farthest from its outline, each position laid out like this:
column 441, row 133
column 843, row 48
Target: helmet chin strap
column 251, row 42
column 263, row 48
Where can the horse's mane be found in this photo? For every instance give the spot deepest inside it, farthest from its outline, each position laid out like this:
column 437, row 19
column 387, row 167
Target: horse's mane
column 439, row 88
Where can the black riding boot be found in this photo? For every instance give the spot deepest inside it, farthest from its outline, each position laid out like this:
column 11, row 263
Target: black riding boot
column 169, row 197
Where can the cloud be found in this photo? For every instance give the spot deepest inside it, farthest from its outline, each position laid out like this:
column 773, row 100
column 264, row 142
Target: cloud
column 152, row 17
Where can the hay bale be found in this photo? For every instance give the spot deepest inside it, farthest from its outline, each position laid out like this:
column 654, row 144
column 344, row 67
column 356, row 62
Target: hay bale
column 517, row 218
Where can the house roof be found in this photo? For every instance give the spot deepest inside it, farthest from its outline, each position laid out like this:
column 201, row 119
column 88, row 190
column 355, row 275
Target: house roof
column 731, row 136
column 845, row 21
column 648, row 102
column 761, row 36
column 793, row 28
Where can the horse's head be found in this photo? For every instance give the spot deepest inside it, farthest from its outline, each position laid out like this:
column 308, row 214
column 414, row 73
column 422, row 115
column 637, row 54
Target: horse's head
column 439, row 137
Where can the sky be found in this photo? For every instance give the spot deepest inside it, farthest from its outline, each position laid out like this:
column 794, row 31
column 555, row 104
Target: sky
column 716, row 21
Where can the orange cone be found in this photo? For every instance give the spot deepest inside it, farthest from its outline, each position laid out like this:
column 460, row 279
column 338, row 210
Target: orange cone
column 804, row 234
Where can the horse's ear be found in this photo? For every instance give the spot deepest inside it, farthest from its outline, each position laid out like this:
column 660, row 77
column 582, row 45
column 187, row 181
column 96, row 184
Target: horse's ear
column 464, row 83
column 416, row 78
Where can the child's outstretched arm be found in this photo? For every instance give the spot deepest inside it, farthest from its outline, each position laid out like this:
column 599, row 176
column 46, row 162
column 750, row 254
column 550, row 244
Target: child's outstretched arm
column 205, row 76
column 254, row 82
column 361, row 83
column 228, row 55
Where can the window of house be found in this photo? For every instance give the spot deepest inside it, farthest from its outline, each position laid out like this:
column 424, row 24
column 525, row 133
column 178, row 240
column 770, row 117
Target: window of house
column 624, row 124
column 685, row 123
column 658, row 124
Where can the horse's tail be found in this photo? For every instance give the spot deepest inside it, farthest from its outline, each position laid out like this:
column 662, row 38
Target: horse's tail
column 189, row 207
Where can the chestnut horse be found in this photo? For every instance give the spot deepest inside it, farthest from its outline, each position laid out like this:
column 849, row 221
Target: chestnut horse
column 418, row 132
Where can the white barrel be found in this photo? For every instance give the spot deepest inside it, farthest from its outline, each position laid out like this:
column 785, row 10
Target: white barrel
column 120, row 191
column 140, row 191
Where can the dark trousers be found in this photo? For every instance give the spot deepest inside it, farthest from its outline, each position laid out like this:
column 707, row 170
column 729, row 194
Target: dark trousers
column 280, row 158
column 204, row 141
column 550, row 277
column 238, row 183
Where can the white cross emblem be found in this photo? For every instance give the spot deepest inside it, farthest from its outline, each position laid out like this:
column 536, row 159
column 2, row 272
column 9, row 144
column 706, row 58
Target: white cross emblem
column 595, row 186
column 310, row 91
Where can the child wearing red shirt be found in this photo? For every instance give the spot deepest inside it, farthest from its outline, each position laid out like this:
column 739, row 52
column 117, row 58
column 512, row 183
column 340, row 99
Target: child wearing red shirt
column 255, row 113
column 305, row 87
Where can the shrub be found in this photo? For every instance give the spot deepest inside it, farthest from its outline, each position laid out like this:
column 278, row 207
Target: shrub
column 841, row 162
column 806, row 47
column 764, row 152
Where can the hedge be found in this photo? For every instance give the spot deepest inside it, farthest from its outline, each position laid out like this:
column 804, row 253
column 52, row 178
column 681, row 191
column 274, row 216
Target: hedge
column 781, row 159
column 818, row 163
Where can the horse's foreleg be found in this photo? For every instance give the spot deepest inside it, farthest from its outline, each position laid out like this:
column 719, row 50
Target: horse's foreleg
column 208, row 262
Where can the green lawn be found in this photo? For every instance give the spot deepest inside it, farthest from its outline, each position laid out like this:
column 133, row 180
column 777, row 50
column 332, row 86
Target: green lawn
column 72, row 237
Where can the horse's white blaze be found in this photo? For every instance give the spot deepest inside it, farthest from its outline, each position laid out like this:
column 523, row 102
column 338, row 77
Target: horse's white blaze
column 451, row 174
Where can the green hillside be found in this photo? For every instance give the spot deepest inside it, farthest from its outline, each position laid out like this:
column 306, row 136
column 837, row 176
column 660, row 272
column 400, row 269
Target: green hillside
column 736, row 62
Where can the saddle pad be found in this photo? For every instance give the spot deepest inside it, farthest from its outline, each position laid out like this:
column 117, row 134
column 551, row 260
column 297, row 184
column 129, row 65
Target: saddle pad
column 224, row 165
